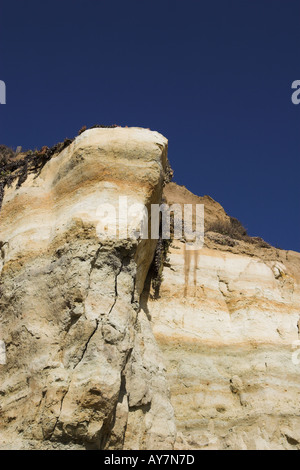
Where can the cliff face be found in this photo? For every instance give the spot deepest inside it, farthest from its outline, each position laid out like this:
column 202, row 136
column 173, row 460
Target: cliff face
column 83, row 368
column 92, row 357
column 226, row 321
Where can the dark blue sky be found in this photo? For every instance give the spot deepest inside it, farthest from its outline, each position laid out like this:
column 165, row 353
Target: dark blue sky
column 213, row 76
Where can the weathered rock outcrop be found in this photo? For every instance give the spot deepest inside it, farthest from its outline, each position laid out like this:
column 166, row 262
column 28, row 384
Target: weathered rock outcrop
column 92, row 356
column 227, row 321
column 83, row 368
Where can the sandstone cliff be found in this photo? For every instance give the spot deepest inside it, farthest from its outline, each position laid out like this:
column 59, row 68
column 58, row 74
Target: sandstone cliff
column 94, row 359
column 83, row 368
column 227, row 321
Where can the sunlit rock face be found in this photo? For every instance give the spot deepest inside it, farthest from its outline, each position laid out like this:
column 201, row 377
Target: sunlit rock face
column 227, row 321
column 88, row 356
column 83, row 369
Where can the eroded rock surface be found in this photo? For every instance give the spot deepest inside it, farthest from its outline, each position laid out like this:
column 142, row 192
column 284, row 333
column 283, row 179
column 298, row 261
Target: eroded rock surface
column 92, row 356
column 83, row 368
column 227, row 321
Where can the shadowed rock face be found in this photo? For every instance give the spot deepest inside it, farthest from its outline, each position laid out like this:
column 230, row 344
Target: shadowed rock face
column 89, row 365
column 83, row 368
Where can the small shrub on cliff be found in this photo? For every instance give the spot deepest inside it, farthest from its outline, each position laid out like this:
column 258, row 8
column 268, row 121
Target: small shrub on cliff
column 156, row 269
column 5, row 154
column 169, row 173
column 232, row 228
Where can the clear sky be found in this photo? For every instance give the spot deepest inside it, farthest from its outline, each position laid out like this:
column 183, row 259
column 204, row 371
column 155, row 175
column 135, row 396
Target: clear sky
column 213, row 76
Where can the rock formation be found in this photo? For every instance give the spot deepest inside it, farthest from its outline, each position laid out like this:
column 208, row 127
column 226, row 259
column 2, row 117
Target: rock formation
column 83, row 368
column 228, row 322
column 93, row 359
